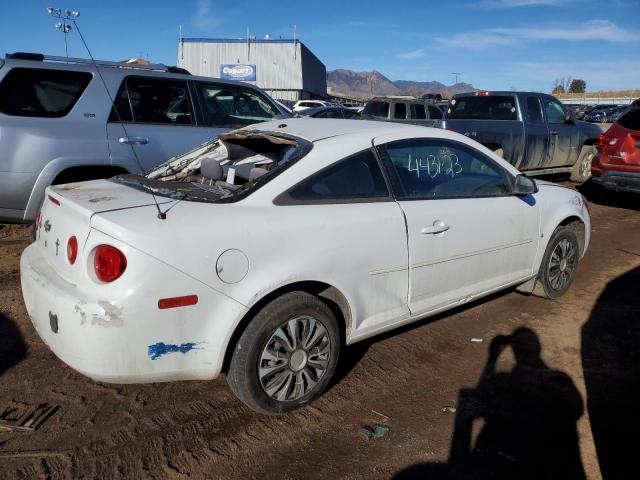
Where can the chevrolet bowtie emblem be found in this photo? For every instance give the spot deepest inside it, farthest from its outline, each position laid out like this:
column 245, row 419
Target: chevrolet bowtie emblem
column 47, row 225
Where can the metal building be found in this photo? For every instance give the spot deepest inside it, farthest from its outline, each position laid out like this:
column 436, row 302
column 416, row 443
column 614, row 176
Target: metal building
column 286, row 69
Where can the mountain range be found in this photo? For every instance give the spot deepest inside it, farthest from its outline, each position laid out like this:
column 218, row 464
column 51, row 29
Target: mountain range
column 366, row 84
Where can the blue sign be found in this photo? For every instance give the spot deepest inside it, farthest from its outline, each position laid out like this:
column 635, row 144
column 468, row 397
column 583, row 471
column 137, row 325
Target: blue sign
column 235, row 71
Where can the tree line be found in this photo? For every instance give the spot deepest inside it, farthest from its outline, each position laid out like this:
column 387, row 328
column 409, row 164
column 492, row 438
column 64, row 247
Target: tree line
column 569, row 85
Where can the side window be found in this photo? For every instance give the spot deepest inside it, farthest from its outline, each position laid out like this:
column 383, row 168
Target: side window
column 232, row 107
column 377, row 109
column 435, row 113
column 419, row 111
column 357, row 177
column 437, row 169
column 39, row 92
column 400, row 110
column 554, row 111
column 534, row 110
column 153, row 100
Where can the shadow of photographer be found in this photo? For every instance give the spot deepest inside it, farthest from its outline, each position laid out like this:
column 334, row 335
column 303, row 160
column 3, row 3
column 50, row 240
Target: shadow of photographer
column 611, row 363
column 519, row 424
column 12, row 346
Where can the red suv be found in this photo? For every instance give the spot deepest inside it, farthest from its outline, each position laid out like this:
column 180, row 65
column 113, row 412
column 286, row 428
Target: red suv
column 617, row 163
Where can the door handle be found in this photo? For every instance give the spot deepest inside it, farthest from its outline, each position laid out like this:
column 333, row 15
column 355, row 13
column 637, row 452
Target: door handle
column 133, row 141
column 553, row 132
column 438, row 227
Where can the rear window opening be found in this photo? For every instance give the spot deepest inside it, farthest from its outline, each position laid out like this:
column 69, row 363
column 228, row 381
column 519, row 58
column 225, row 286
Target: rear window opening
column 631, row 118
column 499, row 107
column 225, row 169
column 40, row 92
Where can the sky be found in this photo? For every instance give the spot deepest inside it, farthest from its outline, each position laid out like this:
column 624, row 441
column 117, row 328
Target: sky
column 493, row 44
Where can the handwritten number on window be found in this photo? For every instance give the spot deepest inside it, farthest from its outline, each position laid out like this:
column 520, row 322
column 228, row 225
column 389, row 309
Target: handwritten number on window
column 435, row 165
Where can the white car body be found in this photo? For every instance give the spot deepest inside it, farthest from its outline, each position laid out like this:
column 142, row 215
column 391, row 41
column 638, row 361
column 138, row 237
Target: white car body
column 372, row 258
column 304, row 104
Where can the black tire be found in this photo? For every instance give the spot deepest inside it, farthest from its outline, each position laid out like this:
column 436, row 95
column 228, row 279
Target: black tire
column 546, row 285
column 243, row 376
column 582, row 168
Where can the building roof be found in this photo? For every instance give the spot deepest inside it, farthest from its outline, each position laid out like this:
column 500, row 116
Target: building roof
column 240, row 40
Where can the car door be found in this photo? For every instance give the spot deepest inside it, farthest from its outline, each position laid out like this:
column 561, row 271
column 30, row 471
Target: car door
column 357, row 232
column 467, row 233
column 154, row 119
column 562, row 148
column 536, row 136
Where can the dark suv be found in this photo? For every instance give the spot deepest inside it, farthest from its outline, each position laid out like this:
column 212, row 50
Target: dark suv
column 402, row 110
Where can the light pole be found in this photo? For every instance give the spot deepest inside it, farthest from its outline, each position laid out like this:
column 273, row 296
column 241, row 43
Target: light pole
column 63, row 22
column 456, row 75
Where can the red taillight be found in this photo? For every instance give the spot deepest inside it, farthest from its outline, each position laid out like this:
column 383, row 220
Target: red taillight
column 109, row 263
column 37, row 221
column 605, row 141
column 72, row 249
column 174, row 302
column 54, row 200
column 483, row 94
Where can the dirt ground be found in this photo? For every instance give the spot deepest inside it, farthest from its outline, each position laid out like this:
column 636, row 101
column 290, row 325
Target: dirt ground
column 569, row 411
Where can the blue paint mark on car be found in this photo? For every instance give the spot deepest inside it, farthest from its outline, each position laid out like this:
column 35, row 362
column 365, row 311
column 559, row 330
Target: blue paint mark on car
column 159, row 349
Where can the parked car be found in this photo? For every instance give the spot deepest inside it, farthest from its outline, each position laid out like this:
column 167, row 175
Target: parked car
column 617, row 164
column 531, row 130
column 303, row 104
column 284, row 242
column 406, row 110
column 615, row 115
column 330, row 112
column 599, row 113
column 59, row 125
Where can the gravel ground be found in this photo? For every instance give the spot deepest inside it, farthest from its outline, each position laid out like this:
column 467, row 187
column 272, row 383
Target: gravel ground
column 567, row 411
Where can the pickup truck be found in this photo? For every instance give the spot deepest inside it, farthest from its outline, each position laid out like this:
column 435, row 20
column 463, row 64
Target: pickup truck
column 532, row 131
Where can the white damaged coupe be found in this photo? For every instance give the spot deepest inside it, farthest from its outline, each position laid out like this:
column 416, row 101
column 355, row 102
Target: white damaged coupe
column 263, row 253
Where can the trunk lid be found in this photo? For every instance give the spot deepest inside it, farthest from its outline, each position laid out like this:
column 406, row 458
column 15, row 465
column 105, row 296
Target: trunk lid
column 67, row 211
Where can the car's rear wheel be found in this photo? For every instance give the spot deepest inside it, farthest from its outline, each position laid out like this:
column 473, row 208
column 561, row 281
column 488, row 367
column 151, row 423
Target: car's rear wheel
column 559, row 263
column 582, row 168
column 286, row 356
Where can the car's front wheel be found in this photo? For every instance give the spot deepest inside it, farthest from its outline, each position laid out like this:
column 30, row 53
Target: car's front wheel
column 286, row 356
column 559, row 263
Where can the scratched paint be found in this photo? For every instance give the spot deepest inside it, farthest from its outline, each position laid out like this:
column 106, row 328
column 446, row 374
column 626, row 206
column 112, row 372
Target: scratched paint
column 157, row 350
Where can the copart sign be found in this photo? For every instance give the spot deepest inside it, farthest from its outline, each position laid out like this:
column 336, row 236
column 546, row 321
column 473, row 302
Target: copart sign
column 236, row 71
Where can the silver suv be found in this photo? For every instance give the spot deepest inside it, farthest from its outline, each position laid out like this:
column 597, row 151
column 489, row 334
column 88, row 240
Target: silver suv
column 58, row 124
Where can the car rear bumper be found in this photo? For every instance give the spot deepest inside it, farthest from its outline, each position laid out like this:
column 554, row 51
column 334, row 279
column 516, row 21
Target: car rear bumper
column 618, row 181
column 129, row 339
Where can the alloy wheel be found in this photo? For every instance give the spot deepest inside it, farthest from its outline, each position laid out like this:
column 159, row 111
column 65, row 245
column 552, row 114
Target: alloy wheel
column 294, row 358
column 562, row 264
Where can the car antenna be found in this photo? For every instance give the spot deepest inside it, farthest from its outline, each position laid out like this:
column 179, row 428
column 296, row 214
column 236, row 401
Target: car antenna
column 71, row 15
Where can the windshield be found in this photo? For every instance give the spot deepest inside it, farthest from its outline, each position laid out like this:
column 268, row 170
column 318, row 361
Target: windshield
column 225, row 169
column 499, row 107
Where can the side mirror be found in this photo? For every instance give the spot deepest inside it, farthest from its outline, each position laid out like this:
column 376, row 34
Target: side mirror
column 568, row 118
column 524, row 185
